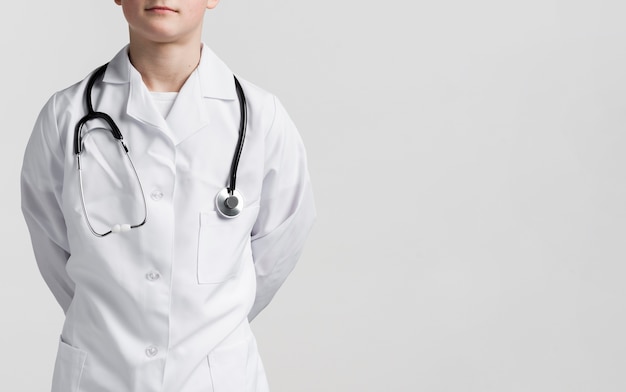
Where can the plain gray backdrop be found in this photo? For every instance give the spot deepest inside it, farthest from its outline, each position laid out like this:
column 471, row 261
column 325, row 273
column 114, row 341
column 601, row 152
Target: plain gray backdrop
column 468, row 159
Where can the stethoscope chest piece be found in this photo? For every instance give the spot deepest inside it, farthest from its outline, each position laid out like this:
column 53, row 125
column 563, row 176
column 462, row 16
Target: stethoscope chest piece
column 229, row 203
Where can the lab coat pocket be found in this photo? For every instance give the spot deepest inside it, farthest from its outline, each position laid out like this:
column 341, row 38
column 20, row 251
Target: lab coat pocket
column 228, row 366
column 224, row 244
column 68, row 368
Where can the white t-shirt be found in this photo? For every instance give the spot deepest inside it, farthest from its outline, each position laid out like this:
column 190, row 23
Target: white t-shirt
column 164, row 101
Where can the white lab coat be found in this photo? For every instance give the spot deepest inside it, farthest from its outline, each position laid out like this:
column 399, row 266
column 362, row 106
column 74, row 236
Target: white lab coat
column 165, row 307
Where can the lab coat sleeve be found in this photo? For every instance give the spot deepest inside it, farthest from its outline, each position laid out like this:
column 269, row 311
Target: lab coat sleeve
column 287, row 210
column 41, row 188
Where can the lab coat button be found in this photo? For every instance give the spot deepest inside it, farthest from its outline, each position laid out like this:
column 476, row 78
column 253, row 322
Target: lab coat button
column 152, row 351
column 156, row 195
column 152, row 276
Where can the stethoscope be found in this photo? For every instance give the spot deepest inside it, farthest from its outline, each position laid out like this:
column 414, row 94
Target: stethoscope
column 228, row 202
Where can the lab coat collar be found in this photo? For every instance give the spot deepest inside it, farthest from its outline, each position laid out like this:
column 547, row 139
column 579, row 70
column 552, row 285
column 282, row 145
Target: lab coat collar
column 216, row 79
column 212, row 79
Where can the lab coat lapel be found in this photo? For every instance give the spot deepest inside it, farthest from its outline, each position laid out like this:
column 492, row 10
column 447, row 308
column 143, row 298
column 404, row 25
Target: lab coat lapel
column 141, row 106
column 191, row 111
column 195, row 105
column 188, row 114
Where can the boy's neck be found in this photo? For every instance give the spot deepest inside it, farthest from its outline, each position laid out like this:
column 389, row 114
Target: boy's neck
column 164, row 67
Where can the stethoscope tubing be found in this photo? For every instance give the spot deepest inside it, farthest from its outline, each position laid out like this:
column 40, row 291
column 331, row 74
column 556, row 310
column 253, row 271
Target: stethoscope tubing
column 243, row 125
column 82, row 198
column 229, row 201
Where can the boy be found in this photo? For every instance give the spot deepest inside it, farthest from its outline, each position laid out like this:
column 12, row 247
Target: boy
column 157, row 286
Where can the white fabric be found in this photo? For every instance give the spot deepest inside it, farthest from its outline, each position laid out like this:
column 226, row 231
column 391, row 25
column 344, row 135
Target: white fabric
column 163, row 101
column 165, row 307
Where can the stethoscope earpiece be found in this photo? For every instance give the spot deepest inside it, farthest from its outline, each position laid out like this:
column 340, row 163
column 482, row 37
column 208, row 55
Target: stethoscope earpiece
column 229, row 203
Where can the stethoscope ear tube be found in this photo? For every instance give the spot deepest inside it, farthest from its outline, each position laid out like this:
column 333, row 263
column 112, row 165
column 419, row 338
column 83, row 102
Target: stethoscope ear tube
column 119, row 227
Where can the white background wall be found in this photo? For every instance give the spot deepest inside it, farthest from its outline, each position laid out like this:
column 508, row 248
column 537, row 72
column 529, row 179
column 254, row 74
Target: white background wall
column 468, row 160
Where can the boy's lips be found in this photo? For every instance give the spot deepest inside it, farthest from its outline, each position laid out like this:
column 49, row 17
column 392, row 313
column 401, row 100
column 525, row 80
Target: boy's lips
column 160, row 8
